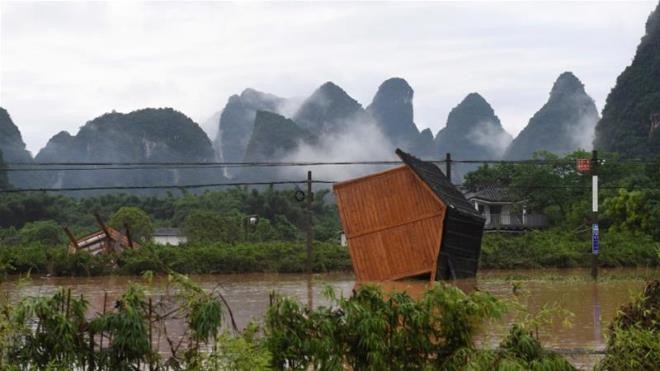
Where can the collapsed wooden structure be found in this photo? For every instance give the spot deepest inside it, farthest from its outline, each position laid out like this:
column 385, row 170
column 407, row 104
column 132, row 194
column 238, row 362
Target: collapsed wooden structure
column 104, row 241
column 409, row 222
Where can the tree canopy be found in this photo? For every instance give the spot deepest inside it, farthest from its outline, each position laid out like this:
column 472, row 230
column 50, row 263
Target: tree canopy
column 137, row 221
column 629, row 191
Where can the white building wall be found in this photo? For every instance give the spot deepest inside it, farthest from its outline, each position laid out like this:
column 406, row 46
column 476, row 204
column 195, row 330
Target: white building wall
column 170, row 240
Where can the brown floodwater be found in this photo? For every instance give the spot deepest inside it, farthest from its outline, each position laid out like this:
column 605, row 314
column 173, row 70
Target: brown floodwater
column 589, row 306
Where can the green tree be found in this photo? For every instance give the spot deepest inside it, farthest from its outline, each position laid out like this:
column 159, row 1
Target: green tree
column 634, row 210
column 138, row 221
column 556, row 188
column 207, row 226
column 46, row 232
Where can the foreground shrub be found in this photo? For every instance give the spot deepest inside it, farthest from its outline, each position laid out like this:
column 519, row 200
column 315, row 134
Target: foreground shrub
column 376, row 331
column 520, row 350
column 634, row 336
column 59, row 333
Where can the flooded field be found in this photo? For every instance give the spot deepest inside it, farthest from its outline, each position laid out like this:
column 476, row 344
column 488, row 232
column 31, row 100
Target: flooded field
column 592, row 304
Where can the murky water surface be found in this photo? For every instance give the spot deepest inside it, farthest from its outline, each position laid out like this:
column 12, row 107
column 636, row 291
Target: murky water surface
column 592, row 304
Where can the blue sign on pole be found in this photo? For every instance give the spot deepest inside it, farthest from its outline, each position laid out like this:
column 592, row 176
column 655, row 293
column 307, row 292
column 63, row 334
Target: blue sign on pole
column 595, row 244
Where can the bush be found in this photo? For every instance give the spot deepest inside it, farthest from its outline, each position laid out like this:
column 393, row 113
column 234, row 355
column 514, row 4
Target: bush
column 80, row 264
column 282, row 257
column 55, row 333
column 37, row 258
column 373, row 330
column 634, row 335
column 46, row 232
column 207, row 226
column 562, row 249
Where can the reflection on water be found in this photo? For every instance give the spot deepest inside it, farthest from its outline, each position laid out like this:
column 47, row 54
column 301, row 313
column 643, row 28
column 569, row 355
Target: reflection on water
column 593, row 304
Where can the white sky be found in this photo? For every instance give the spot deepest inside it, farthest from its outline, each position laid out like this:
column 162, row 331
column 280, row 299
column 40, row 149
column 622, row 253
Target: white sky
column 64, row 63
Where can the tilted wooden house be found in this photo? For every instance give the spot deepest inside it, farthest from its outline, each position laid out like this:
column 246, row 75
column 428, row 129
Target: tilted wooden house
column 409, row 222
column 105, row 241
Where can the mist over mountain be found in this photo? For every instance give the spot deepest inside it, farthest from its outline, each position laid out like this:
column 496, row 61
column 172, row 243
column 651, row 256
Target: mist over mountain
column 328, row 110
column 631, row 117
column 473, row 131
column 13, row 149
column 332, row 126
column 148, row 135
column 211, row 126
column 564, row 124
column 237, row 122
column 273, row 138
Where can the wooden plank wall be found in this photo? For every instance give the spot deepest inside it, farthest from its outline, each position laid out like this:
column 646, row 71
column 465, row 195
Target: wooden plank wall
column 393, row 225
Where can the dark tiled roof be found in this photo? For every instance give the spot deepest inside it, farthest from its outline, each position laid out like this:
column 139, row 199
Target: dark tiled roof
column 162, row 232
column 492, row 194
column 439, row 183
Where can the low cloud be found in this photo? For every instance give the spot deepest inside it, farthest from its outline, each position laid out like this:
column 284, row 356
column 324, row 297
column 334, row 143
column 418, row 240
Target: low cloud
column 488, row 134
column 360, row 140
column 583, row 132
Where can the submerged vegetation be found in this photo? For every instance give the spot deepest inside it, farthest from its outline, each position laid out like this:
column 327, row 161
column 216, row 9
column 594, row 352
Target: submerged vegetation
column 370, row 330
column 274, row 256
column 59, row 333
column 373, row 330
column 541, row 249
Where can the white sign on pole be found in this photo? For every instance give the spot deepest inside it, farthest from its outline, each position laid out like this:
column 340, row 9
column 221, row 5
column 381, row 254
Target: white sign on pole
column 594, row 189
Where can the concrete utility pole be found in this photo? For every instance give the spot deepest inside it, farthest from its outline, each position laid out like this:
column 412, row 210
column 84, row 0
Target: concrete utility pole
column 310, row 231
column 595, row 233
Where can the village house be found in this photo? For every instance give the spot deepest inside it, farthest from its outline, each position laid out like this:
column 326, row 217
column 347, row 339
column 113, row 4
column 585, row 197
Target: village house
column 168, row 236
column 503, row 212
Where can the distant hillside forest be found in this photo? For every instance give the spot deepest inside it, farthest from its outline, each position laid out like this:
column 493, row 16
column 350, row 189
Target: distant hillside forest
column 220, row 240
column 217, row 216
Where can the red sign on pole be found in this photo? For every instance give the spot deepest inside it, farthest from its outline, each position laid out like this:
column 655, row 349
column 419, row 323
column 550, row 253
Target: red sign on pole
column 583, row 165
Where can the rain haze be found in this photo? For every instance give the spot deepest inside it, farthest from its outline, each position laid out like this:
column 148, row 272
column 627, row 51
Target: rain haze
column 64, row 63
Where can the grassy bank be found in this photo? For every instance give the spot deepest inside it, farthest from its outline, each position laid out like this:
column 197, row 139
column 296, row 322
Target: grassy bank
column 546, row 249
column 561, row 249
column 283, row 257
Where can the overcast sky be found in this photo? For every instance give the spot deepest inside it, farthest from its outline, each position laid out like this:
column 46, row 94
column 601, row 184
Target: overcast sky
column 64, row 63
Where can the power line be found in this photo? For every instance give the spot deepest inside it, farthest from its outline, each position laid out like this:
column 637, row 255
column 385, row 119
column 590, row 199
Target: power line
column 182, row 186
column 566, row 187
column 299, row 163
column 224, row 164
column 91, row 166
column 211, row 185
